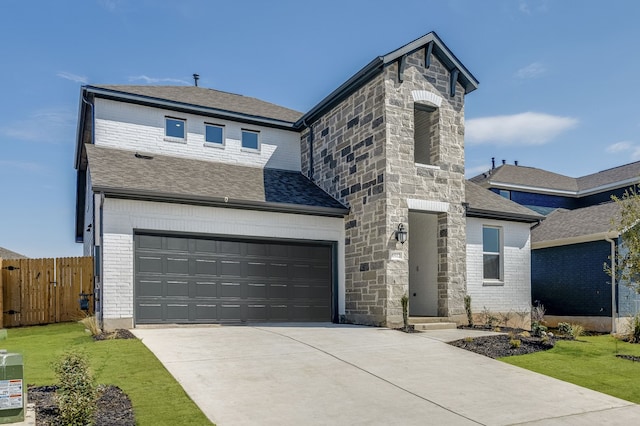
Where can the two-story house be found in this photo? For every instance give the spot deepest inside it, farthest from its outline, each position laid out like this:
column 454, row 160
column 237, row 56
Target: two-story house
column 574, row 241
column 202, row 206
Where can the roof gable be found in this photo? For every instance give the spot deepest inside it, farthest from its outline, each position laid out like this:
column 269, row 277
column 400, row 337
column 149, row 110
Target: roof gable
column 194, row 97
column 431, row 42
column 483, row 203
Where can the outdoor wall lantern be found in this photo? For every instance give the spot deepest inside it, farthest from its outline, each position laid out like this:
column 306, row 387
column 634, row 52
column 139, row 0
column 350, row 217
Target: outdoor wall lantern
column 401, row 234
column 84, row 301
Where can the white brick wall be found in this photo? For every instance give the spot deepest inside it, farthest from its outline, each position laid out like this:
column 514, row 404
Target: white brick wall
column 515, row 292
column 122, row 217
column 139, row 128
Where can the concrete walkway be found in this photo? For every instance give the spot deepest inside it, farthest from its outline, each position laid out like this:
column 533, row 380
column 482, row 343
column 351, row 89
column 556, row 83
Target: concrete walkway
column 328, row 374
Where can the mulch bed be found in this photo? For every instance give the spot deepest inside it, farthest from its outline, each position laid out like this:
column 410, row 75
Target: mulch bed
column 113, row 406
column 499, row 346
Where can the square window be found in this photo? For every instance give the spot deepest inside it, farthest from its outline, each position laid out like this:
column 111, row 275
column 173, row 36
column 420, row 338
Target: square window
column 491, row 253
column 250, row 139
column 175, row 128
column 214, row 134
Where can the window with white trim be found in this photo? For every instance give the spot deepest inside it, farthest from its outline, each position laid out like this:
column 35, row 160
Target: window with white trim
column 214, row 134
column 175, row 129
column 492, row 253
column 250, row 139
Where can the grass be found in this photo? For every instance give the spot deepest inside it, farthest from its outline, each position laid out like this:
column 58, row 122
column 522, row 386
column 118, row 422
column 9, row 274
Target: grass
column 156, row 397
column 590, row 362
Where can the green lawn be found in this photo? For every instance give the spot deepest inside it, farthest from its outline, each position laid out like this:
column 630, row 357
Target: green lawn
column 590, row 362
column 157, row 398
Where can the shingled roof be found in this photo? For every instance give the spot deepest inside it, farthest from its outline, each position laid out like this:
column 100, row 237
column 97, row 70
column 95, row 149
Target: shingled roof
column 202, row 97
column 508, row 176
column 127, row 174
column 484, row 203
column 563, row 226
column 8, row 254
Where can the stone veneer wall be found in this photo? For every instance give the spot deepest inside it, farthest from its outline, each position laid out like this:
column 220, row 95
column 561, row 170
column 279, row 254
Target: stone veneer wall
column 363, row 156
column 349, row 164
column 442, row 183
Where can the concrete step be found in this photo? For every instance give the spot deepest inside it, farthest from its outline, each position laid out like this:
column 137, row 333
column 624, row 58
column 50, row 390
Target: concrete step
column 429, row 320
column 435, row 326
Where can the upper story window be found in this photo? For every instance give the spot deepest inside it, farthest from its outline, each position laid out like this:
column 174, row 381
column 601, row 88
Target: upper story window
column 425, row 136
column 492, row 253
column 175, row 129
column 250, row 139
column 214, row 134
column 506, row 194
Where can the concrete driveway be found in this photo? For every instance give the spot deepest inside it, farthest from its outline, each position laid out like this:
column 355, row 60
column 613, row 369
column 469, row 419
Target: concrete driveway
column 328, row 374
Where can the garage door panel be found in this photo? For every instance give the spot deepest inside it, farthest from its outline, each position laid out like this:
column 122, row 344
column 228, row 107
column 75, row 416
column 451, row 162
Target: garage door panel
column 199, row 280
column 206, row 289
column 150, row 264
column 177, row 312
column 206, row 267
column 175, row 244
column 230, row 268
column 149, row 288
column 230, row 290
column 177, row 288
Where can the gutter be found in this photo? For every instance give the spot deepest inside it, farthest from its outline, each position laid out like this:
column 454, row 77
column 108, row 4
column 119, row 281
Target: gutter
column 514, row 217
column 223, row 202
column 613, row 284
column 574, row 240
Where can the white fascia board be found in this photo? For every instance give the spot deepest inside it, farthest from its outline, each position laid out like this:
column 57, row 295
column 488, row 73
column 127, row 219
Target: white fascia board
column 574, row 240
column 535, row 189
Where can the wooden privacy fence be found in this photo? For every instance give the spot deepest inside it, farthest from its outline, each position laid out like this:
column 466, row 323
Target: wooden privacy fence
column 44, row 291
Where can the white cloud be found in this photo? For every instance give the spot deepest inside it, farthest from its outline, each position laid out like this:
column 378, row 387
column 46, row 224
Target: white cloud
column 155, row 80
column 46, row 125
column 528, row 128
column 73, row 77
column 524, row 7
column 533, row 70
column 620, row 147
column 624, row 147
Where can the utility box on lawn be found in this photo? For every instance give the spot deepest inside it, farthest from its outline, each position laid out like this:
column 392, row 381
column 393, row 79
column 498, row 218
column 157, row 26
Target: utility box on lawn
column 11, row 387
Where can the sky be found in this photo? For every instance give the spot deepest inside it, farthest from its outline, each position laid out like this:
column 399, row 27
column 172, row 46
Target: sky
column 557, row 89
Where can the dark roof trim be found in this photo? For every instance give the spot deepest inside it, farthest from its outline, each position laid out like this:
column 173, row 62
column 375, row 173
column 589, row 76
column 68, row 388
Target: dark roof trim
column 221, row 202
column 376, row 66
column 187, row 108
column 513, row 217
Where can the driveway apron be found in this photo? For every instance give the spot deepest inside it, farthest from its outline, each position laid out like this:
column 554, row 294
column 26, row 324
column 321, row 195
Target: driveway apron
column 328, row 374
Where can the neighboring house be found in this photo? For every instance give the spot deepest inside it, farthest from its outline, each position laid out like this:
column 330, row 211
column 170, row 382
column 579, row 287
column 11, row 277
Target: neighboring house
column 8, row 254
column 574, row 242
column 202, row 206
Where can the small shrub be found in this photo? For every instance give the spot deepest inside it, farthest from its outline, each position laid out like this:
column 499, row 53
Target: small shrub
column 525, row 334
column 565, row 328
column 404, row 300
column 538, row 329
column 576, row 330
column 468, row 339
column 76, row 394
column 537, row 313
column 505, row 318
column 515, row 343
column 522, row 316
column 634, row 329
column 91, row 324
column 488, row 318
column 467, row 308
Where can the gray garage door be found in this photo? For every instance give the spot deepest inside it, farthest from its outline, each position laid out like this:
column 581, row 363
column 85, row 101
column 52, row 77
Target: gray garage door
column 199, row 280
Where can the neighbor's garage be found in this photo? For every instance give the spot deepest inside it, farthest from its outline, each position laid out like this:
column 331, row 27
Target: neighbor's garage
column 181, row 279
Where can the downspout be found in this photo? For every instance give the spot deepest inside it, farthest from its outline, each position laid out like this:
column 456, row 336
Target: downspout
column 311, row 165
column 100, row 266
column 613, row 283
